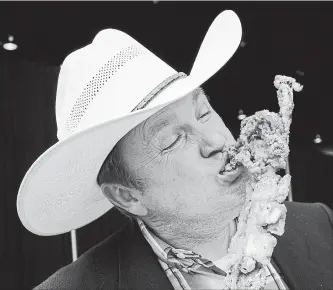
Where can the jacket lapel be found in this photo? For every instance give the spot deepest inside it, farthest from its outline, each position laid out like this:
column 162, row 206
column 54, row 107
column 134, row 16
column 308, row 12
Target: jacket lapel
column 138, row 265
column 301, row 252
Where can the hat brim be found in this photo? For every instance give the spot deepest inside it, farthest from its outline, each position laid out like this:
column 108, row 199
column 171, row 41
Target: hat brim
column 59, row 193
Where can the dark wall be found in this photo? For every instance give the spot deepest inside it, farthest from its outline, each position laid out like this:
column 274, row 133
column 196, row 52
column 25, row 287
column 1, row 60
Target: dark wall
column 28, row 127
column 312, row 174
column 27, row 130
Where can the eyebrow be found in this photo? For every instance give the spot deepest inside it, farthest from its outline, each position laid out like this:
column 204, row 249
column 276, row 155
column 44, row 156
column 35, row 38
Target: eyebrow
column 158, row 126
column 166, row 120
column 197, row 92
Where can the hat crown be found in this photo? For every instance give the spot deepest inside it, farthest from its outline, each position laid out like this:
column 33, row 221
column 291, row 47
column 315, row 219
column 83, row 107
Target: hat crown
column 105, row 80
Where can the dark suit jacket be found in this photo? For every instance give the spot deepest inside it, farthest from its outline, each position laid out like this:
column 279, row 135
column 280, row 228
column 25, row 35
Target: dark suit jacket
column 304, row 254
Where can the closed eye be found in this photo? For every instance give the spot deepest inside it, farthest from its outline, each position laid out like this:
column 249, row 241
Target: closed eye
column 204, row 115
column 174, row 143
column 180, row 136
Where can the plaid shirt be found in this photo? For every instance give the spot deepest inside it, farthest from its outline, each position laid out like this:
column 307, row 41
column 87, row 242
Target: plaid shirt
column 173, row 262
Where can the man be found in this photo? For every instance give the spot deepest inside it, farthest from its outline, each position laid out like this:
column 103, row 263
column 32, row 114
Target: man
column 136, row 134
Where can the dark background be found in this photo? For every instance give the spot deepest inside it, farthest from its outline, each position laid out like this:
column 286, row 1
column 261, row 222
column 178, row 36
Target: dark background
column 291, row 38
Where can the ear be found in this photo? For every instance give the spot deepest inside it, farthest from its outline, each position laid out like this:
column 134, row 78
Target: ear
column 126, row 198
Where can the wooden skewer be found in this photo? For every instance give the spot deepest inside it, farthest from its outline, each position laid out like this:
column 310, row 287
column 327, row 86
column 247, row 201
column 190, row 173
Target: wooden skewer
column 209, row 274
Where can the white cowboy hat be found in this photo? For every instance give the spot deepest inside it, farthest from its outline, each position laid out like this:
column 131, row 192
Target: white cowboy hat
column 104, row 90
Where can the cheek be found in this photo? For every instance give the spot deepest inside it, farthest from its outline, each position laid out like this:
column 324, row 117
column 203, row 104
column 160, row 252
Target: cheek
column 178, row 190
column 183, row 167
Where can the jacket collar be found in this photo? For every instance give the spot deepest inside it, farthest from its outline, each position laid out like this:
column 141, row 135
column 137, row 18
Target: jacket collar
column 138, row 265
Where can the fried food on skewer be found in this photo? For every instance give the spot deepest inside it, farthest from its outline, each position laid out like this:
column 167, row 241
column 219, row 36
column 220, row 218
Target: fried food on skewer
column 262, row 148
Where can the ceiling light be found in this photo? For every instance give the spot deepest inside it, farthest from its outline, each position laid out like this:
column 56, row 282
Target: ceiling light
column 10, row 45
column 318, row 139
column 241, row 115
column 327, row 151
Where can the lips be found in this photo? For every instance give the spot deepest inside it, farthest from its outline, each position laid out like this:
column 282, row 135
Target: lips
column 224, row 163
column 230, row 176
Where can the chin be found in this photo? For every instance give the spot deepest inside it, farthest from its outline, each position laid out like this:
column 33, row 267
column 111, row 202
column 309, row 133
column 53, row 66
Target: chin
column 239, row 187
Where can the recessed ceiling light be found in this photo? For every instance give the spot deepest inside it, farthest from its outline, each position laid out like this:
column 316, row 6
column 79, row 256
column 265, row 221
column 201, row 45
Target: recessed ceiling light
column 241, row 115
column 317, row 139
column 10, row 45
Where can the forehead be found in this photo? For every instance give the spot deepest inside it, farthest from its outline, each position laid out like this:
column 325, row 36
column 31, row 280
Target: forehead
column 191, row 98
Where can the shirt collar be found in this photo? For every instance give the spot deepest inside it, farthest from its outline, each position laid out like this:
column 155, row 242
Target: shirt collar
column 185, row 260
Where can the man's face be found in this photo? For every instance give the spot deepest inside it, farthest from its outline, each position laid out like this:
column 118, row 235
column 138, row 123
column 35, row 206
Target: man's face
column 181, row 160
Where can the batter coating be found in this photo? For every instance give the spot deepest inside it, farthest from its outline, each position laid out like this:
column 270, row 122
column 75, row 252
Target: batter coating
column 262, row 148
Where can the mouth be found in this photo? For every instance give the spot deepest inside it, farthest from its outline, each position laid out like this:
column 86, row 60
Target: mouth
column 228, row 176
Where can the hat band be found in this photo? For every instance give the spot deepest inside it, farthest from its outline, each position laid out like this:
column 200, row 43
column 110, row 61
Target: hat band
column 157, row 90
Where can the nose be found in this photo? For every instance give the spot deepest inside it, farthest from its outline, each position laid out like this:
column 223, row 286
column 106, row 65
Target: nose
column 212, row 143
